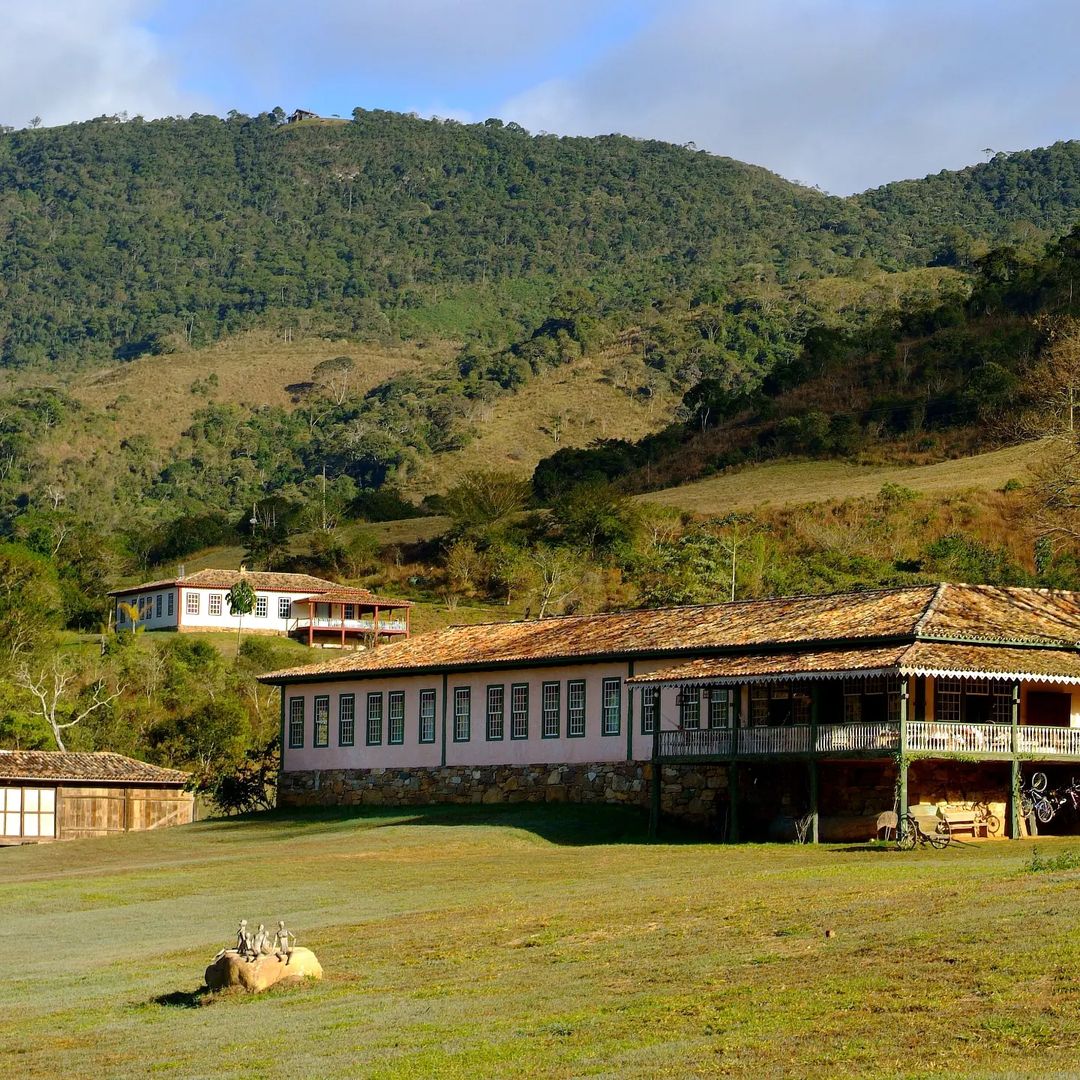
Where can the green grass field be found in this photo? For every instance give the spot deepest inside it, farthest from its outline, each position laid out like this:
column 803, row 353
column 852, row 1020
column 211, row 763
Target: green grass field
column 795, row 483
column 536, row 941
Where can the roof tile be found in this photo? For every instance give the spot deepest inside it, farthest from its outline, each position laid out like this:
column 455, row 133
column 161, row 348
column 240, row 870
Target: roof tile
column 97, row 766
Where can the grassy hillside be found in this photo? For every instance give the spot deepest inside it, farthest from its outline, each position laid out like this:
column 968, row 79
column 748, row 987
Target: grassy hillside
column 795, row 483
column 249, row 370
column 523, row 942
column 598, row 396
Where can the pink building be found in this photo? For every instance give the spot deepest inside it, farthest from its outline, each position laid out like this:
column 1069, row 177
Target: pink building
column 744, row 717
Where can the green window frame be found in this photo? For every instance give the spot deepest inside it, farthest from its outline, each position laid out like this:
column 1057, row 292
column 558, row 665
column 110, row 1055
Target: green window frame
column 551, row 710
column 721, row 707
column 426, row 716
column 374, row 719
column 320, row 734
column 611, row 707
column 296, row 723
column 575, row 709
column 395, row 717
column 690, row 708
column 519, row 711
column 462, row 713
column 496, row 712
column 346, row 724
column 650, row 708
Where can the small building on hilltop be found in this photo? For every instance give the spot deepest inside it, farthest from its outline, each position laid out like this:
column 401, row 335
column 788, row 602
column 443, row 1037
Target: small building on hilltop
column 748, row 718
column 52, row 795
column 302, row 114
column 311, row 609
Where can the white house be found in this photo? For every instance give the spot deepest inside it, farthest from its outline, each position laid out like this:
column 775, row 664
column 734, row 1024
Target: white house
column 311, row 608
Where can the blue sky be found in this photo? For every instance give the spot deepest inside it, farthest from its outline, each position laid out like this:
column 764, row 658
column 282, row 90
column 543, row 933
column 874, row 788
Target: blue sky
column 845, row 94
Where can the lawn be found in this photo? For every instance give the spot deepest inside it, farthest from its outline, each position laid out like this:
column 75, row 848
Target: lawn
column 520, row 941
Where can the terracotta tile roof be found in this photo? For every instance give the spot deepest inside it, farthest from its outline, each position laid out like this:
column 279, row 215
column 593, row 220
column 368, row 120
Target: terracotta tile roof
column 268, row 582
column 666, row 631
column 812, row 664
column 97, row 766
column 1029, row 664
column 225, row 579
column 343, row 594
column 995, row 661
column 958, row 613
column 984, row 612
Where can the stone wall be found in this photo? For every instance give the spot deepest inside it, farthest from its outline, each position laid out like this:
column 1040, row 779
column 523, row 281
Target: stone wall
column 688, row 793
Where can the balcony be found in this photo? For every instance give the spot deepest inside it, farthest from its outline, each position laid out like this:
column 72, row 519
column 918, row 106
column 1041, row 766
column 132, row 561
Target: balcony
column 351, row 626
column 928, row 737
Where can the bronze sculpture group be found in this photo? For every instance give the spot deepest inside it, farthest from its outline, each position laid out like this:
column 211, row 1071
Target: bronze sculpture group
column 251, row 946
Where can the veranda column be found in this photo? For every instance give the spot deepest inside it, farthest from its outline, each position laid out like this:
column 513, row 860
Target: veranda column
column 815, row 701
column 1014, row 765
column 654, row 786
column 375, row 626
column 902, row 792
column 311, row 623
column 343, row 625
column 733, row 773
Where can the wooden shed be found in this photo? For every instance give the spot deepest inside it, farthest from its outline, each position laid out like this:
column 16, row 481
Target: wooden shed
column 51, row 795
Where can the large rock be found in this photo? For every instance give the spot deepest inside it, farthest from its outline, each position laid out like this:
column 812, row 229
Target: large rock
column 231, row 970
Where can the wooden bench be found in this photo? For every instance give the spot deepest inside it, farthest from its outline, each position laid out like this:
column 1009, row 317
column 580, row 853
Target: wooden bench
column 965, row 821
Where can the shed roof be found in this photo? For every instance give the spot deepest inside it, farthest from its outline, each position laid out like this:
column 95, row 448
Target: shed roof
column 1019, row 663
column 99, row 766
column 958, row 613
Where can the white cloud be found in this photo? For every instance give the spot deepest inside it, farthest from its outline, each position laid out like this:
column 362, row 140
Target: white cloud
column 843, row 93
column 67, row 60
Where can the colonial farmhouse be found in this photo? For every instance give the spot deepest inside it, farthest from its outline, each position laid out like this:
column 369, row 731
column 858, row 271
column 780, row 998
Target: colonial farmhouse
column 305, row 607
column 740, row 717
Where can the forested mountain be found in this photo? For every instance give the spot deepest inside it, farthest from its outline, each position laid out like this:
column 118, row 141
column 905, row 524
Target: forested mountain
column 121, row 238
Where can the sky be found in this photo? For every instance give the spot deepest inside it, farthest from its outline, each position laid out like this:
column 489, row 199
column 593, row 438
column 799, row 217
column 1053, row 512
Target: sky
column 842, row 94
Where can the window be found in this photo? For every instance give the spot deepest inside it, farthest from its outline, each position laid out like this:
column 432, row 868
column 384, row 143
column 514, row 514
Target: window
column 575, row 708
column 462, row 713
column 350, row 611
column 1001, row 707
column 346, row 723
column 262, row 606
column 27, row 811
column 191, row 603
column 395, row 717
column 321, row 735
column 374, row 719
column 296, row 722
column 551, row 709
column 157, row 606
column 611, row 707
column 650, row 708
column 170, row 605
column 427, row 716
column 690, row 708
column 284, row 607
column 495, row 718
column 759, row 705
column 519, row 711
column 213, row 604
column 721, row 706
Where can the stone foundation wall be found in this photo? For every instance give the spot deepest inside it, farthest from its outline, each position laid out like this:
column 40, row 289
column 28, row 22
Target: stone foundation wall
column 689, row 793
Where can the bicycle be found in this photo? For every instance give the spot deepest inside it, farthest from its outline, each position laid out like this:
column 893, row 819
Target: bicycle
column 911, row 833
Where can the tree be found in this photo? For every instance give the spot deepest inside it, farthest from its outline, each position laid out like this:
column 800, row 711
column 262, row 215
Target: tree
column 50, row 686
column 598, row 516
column 241, row 601
column 558, row 574
column 335, row 377
column 481, row 500
column 29, row 601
